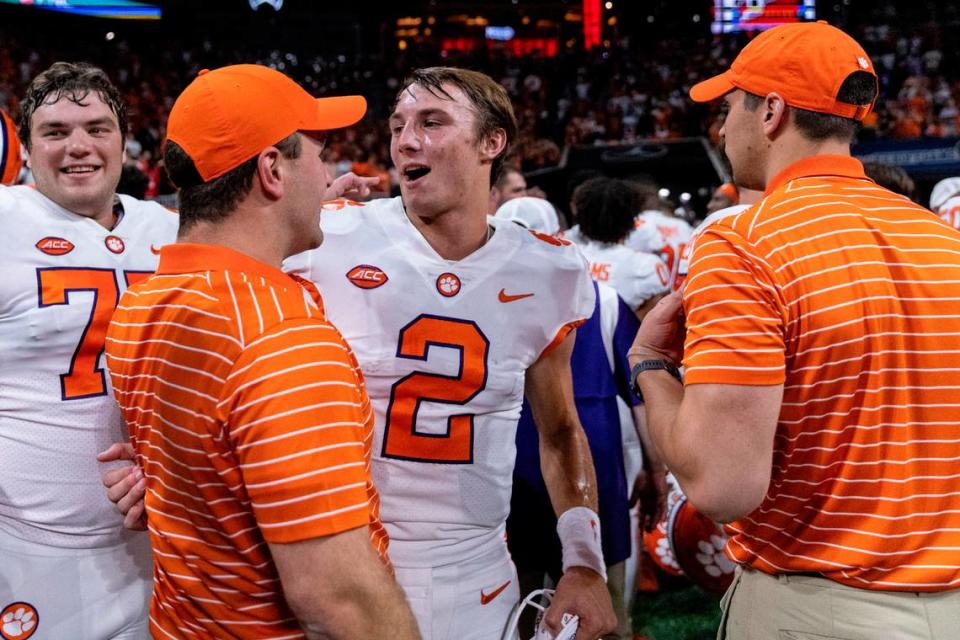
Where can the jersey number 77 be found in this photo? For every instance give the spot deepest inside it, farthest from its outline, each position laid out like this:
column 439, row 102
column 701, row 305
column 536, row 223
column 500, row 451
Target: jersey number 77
column 84, row 378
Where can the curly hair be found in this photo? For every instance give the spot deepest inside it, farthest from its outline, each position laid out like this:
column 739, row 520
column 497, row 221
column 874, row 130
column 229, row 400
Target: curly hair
column 73, row 81
column 606, row 209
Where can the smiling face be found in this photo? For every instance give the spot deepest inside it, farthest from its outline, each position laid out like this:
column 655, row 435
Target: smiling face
column 76, row 154
column 434, row 146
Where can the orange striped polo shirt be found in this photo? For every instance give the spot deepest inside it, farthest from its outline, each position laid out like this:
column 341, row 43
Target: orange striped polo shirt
column 849, row 296
column 252, row 425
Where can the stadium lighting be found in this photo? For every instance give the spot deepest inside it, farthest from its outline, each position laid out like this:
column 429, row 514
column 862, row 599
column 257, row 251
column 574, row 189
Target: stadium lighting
column 276, row 4
column 123, row 9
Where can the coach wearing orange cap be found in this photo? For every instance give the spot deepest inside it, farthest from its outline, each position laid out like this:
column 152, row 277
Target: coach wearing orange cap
column 819, row 417
column 247, row 409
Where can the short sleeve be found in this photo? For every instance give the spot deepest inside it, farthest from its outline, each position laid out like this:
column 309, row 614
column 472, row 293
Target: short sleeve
column 735, row 317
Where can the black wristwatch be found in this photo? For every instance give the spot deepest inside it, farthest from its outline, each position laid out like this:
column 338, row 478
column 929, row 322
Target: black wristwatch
column 647, row 365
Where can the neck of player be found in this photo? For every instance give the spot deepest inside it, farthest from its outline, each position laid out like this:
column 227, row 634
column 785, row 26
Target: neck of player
column 456, row 233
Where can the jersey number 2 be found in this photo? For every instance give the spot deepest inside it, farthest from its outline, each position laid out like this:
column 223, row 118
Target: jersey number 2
column 401, row 438
column 85, row 378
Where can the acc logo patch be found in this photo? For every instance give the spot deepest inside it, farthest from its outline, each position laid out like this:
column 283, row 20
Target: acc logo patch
column 448, row 284
column 367, row 276
column 53, row 246
column 114, row 244
column 338, row 204
column 18, row 621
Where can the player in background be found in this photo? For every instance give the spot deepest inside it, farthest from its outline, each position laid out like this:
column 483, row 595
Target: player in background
column 658, row 231
column 745, row 198
column 945, row 200
column 10, row 156
column 531, row 213
column 453, row 317
column 507, row 185
column 605, row 214
column 69, row 248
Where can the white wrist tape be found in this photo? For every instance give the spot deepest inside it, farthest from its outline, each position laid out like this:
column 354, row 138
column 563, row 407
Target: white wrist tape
column 579, row 531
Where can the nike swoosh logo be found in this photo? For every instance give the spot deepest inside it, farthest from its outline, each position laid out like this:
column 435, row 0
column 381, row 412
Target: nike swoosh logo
column 154, row 250
column 487, row 598
column 505, row 297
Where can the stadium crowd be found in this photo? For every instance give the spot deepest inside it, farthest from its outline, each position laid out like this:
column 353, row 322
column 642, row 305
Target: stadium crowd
column 747, row 373
column 635, row 90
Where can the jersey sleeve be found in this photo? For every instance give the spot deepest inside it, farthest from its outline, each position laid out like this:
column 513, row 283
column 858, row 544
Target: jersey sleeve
column 572, row 294
column 298, row 421
column 648, row 277
column 735, row 315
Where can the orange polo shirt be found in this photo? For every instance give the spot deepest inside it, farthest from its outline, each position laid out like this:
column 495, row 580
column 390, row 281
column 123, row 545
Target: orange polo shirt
column 252, row 425
column 849, row 296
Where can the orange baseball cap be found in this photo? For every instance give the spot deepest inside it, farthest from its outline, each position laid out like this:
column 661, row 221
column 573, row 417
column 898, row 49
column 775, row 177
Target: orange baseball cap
column 804, row 62
column 229, row 115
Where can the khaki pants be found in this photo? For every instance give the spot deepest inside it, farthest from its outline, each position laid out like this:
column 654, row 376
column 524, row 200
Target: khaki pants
column 758, row 606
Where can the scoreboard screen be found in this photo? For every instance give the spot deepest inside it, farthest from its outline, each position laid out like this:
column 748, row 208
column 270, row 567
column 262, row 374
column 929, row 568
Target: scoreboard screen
column 734, row 16
column 126, row 9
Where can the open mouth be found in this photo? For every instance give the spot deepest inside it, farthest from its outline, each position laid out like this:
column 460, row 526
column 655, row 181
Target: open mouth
column 412, row 174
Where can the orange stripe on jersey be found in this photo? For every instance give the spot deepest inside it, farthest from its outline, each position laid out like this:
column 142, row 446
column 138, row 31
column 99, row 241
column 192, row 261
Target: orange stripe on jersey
column 252, row 424
column 849, row 296
column 560, row 337
column 10, row 160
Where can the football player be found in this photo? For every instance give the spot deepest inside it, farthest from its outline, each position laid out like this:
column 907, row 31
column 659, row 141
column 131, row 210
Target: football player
column 453, row 317
column 657, row 232
column 605, row 212
column 69, row 248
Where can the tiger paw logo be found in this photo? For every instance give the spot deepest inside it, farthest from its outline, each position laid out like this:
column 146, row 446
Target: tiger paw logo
column 18, row 621
column 711, row 556
column 448, row 284
column 114, row 244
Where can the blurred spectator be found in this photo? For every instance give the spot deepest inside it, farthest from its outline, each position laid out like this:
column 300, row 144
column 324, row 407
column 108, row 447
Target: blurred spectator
column 724, row 196
column 509, row 184
column 890, row 177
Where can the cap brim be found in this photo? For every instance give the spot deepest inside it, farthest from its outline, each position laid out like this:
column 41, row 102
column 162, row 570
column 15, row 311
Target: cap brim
column 712, row 88
column 336, row 113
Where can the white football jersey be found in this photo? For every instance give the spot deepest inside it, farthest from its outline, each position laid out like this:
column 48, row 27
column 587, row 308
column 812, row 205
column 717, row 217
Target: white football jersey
column 950, row 211
column 635, row 275
column 444, row 346
column 62, row 276
column 662, row 234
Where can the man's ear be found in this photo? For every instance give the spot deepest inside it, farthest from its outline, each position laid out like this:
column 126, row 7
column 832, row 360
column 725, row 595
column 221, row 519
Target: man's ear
column 774, row 110
column 271, row 172
column 493, row 144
